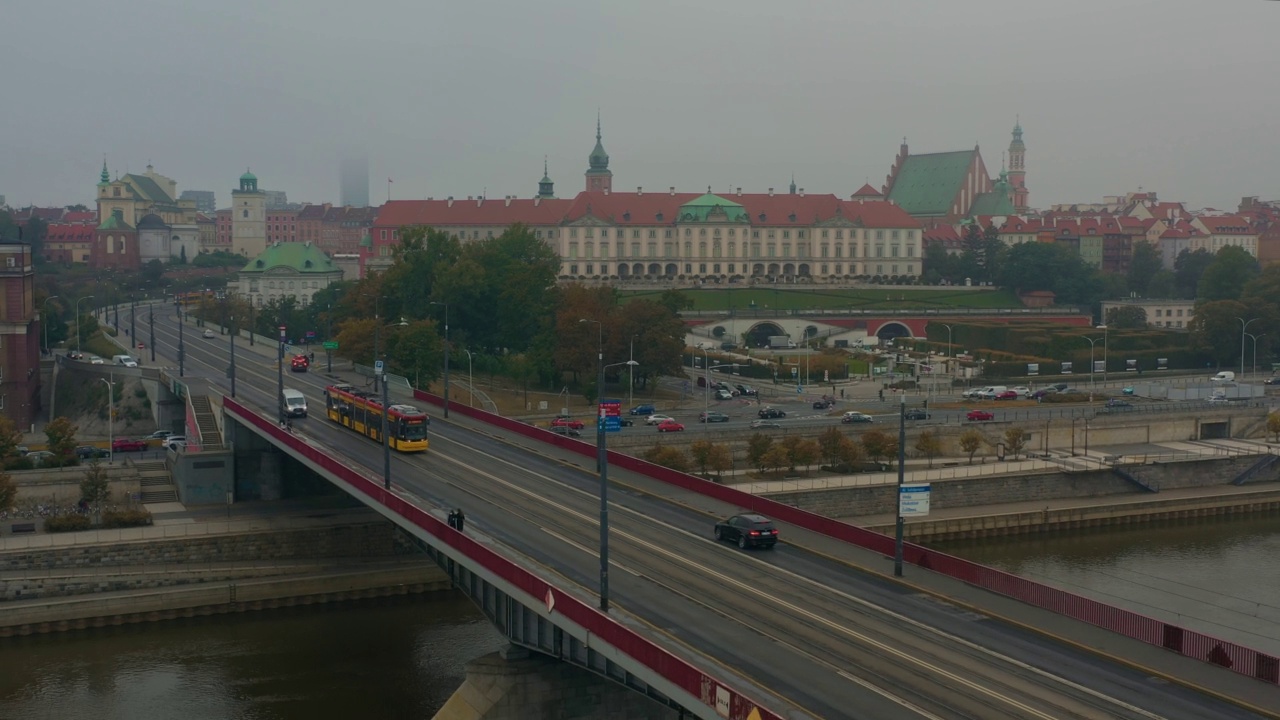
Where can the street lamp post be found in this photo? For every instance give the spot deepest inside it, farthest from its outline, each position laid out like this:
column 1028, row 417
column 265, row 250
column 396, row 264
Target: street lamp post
column 1244, row 326
column 1105, row 349
column 631, row 374
column 232, row 373
column 182, row 347
column 706, row 384
column 902, row 442
column 386, row 440
column 446, row 355
column 377, row 334
column 280, row 377
column 133, row 326
column 599, row 388
column 111, row 427
column 44, row 321
column 86, row 297
column 1092, row 343
column 151, row 320
column 1254, row 368
column 604, row 491
column 471, row 387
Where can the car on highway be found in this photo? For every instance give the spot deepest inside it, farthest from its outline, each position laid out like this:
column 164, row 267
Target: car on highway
column 175, row 442
column 856, row 417
column 1117, row 405
column 745, row 390
column 972, row 393
column 1007, row 395
column 670, row 426
column 95, row 360
column 824, row 404
column 917, row 414
column 1044, row 392
column 1022, row 390
column 566, row 431
column 207, row 334
column 159, row 435
column 567, row 422
column 75, row 355
column 764, row 425
column 1127, row 391
column 770, row 413
column 300, row 363
column 625, row 421
column 646, row 409
column 128, row 445
column 89, row 452
column 658, row 419
column 748, row 531
column 1219, row 399
column 712, row 417
column 979, row 416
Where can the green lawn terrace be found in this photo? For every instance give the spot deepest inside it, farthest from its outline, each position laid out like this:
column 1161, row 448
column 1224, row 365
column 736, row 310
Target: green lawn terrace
column 791, row 299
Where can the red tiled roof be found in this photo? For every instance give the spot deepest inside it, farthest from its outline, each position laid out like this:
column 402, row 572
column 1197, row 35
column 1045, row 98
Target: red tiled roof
column 1224, row 223
column 1021, row 225
column 866, row 191
column 70, row 232
column 1174, row 232
column 443, row 213
column 81, row 216
column 313, row 212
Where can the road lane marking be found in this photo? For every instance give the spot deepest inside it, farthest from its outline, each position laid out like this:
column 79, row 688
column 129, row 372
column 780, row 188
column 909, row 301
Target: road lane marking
column 888, row 696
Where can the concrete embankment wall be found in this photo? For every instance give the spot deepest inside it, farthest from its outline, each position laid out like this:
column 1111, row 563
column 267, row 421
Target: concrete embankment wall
column 856, row 502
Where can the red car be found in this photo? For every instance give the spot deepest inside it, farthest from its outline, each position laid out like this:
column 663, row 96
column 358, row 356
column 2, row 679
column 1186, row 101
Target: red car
column 1007, row 395
column 670, row 426
column 979, row 416
column 567, row 422
column 128, row 445
column 300, row 363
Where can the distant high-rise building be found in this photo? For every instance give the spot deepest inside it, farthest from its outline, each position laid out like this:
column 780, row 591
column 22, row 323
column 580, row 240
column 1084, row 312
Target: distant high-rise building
column 353, row 182
column 205, row 200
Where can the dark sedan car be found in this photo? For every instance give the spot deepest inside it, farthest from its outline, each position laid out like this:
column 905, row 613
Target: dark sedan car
column 89, row 452
column 712, row 417
column 770, row 413
column 748, row 531
column 824, row 404
column 917, row 414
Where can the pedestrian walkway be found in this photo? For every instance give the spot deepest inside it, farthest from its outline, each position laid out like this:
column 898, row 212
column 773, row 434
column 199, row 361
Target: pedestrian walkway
column 922, row 475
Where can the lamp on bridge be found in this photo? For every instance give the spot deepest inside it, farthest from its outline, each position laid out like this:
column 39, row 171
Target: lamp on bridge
column 380, row 368
column 446, row 354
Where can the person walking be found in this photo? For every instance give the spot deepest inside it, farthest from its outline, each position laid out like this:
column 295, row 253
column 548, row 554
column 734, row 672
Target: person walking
column 453, row 519
column 459, row 518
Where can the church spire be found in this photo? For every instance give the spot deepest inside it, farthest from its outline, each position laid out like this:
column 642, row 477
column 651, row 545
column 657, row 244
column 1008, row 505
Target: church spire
column 546, row 188
column 599, row 177
column 1017, row 176
column 105, row 177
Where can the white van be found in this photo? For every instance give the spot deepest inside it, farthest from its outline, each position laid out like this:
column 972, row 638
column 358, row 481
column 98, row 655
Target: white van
column 1225, row 376
column 295, row 403
column 124, row 360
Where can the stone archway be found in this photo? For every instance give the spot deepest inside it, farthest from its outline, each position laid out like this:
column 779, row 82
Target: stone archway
column 789, row 269
column 655, row 269
column 773, row 269
column 623, row 271
column 893, row 330
column 759, row 334
column 757, row 270
column 672, row 270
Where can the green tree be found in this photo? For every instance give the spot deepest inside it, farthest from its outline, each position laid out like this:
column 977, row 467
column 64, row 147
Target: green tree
column 355, row 340
column 701, row 451
column 776, row 458
column 829, row 445
column 416, row 350
column 1273, row 425
column 929, row 445
column 1227, row 275
column 1215, row 331
column 879, row 445
column 1143, row 266
column 1056, row 268
column 720, row 459
column 10, row 438
column 1015, row 439
column 1162, row 285
column 1126, row 317
column 61, row 434
column 95, row 488
column 758, row 446
column 790, row 443
column 668, row 457
column 675, row 301
column 805, row 454
column 8, row 492
column 970, row 441
column 152, row 272
column 1188, row 267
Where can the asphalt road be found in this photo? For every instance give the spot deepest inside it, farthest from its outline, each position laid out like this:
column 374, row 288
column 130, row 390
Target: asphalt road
column 833, row 642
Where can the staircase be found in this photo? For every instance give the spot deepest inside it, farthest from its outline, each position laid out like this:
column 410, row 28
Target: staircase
column 1264, row 463
column 206, row 421
column 1133, row 479
column 155, row 481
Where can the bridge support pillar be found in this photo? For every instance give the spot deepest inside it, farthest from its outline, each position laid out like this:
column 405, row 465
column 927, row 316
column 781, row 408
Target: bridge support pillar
column 515, row 684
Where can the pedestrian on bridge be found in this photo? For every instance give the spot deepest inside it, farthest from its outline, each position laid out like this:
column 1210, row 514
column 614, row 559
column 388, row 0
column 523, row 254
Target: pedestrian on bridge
column 459, row 518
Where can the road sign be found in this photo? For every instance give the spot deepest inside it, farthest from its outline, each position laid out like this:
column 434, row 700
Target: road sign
column 913, row 500
column 330, row 344
column 610, row 413
column 377, row 367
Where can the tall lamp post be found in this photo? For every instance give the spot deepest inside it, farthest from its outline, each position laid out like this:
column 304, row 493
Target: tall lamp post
column 1254, row 370
column 902, row 442
column 44, row 321
column 471, row 387
column 232, row 372
column 1244, row 326
column 604, row 490
column 386, row 440
column 706, row 383
column 182, row 346
column 111, row 426
column 151, row 320
column 1092, row 342
column 86, row 297
column 599, row 388
column 133, row 326
column 631, row 374
column 377, row 334
column 1105, row 349
column 446, row 355
column 949, row 351
column 280, row 377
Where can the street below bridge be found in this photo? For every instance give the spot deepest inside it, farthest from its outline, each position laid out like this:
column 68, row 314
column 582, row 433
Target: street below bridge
column 814, row 627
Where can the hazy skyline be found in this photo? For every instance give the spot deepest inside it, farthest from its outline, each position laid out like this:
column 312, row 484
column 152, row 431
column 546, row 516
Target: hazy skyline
column 459, row 99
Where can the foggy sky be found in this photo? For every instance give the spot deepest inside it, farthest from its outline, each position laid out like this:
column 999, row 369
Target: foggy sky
column 1175, row 96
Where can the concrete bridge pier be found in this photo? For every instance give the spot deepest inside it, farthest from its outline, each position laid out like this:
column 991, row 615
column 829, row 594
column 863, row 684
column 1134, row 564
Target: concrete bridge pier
column 515, row 684
column 258, row 465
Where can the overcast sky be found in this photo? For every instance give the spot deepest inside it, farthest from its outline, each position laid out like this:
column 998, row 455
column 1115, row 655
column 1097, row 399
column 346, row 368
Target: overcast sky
column 460, row 98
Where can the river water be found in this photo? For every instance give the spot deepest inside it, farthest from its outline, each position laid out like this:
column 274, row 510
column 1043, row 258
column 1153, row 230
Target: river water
column 386, row 658
column 1218, row 576
column 403, row 658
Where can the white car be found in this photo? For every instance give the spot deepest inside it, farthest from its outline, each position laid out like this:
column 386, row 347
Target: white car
column 175, row 442
column 658, row 419
column 1022, row 391
column 208, row 334
column 1219, row 399
column 95, row 360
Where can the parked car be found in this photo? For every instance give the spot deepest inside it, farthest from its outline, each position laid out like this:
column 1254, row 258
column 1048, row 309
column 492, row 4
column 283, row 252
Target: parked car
column 658, row 419
column 646, row 410
column 625, row 421
column 979, row 416
column 89, row 452
column 748, row 531
column 1273, row 380
column 745, row 390
column 770, row 413
column 207, row 334
column 1022, row 390
column 728, row 345
column 972, row 394
column 128, row 445
column 856, row 417
column 824, row 404
column 723, row 394
column 1061, row 387
column 300, row 363
column 917, row 414
column 670, row 426
column 159, row 435
column 1007, row 395
column 175, row 442
column 566, row 431
column 39, row 458
column 712, row 417
column 764, row 425
column 567, row 422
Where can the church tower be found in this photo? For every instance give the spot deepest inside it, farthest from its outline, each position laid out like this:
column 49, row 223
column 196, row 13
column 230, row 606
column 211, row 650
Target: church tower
column 1018, row 168
column 248, row 217
column 546, row 188
column 599, row 177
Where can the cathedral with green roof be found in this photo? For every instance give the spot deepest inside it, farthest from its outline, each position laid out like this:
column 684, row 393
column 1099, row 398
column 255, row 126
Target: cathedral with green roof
column 948, row 187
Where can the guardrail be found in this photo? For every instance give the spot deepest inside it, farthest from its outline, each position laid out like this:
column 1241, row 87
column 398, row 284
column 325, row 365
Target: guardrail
column 536, row 591
column 1192, row 644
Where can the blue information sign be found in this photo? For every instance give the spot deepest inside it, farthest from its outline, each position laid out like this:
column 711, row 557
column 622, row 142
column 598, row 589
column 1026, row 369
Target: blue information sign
column 610, row 415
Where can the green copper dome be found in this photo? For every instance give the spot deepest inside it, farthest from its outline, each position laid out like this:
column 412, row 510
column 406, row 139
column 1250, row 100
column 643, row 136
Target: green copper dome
column 598, row 159
column 247, row 176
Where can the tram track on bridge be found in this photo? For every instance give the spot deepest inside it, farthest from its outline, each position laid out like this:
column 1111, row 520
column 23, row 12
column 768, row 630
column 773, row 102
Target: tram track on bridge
column 572, row 523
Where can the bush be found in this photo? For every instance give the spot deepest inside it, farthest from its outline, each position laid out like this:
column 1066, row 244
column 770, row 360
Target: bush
column 126, row 518
column 66, row 523
column 1069, row 398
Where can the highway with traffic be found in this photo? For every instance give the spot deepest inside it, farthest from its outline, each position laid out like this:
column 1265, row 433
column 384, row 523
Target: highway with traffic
column 814, row 636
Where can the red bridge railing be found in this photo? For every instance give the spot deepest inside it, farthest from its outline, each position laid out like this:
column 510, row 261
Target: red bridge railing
column 679, row 672
column 1237, row 658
